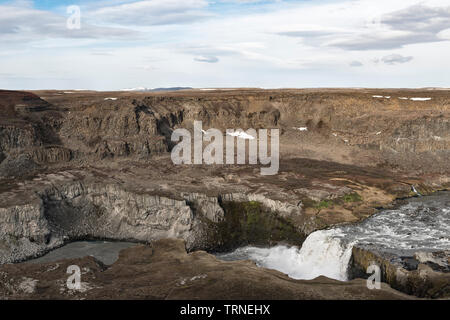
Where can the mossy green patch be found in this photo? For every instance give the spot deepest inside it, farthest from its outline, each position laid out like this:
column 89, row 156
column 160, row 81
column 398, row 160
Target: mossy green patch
column 352, row 197
column 328, row 203
column 323, row 204
column 248, row 223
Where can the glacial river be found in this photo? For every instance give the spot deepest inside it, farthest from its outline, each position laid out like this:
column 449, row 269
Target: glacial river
column 105, row 251
column 419, row 224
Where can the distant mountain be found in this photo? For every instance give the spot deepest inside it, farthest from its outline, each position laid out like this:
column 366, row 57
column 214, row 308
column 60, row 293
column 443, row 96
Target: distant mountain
column 143, row 89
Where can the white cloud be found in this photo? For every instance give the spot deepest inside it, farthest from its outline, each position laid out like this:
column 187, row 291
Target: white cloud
column 22, row 24
column 396, row 59
column 383, row 30
column 159, row 43
column 153, row 12
column 209, row 59
column 356, row 64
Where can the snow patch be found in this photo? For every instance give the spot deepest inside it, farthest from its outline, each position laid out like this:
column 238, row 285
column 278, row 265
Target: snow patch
column 241, row 135
column 382, row 97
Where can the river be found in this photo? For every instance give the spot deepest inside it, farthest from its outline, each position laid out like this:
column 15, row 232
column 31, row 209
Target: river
column 418, row 224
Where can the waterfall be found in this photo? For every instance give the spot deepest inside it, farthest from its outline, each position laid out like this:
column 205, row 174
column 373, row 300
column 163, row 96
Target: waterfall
column 322, row 253
column 422, row 224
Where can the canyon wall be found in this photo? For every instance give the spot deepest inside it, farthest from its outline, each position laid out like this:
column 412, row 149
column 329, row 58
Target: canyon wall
column 343, row 126
column 81, row 167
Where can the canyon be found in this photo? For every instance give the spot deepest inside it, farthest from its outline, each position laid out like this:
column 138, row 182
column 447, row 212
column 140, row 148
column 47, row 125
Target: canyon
column 97, row 165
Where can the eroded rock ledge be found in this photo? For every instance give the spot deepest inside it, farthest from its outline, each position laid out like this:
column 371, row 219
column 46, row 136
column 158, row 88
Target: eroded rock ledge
column 164, row 270
column 70, row 210
column 424, row 274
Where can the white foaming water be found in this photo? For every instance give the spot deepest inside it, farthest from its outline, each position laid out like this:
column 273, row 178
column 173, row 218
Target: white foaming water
column 322, row 253
column 422, row 224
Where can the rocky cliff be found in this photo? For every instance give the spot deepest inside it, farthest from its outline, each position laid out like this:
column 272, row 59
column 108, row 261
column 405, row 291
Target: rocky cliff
column 82, row 166
column 346, row 126
column 426, row 274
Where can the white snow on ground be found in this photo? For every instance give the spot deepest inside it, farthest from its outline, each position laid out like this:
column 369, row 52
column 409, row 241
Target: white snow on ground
column 378, row 133
column 403, row 98
column 241, row 135
column 420, row 99
column 68, row 92
column 381, row 97
column 113, row 99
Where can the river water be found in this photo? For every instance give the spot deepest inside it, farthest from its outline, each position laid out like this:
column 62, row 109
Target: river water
column 419, row 224
column 105, row 251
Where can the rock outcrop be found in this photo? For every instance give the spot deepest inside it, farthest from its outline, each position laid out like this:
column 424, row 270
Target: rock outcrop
column 69, row 209
column 424, row 274
column 164, row 270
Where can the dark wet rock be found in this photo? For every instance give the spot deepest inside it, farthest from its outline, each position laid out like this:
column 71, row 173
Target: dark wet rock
column 425, row 274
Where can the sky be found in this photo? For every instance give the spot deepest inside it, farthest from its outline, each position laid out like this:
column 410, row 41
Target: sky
column 224, row 43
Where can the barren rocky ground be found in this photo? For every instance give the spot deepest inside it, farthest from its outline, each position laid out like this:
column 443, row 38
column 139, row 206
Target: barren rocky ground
column 80, row 165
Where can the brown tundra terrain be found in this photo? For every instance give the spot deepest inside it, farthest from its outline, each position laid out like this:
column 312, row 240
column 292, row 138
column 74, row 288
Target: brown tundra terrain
column 80, row 165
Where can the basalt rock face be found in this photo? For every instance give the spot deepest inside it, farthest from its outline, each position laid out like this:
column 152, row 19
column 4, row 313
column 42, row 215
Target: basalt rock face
column 91, row 211
column 423, row 274
column 28, row 133
column 143, row 127
column 68, row 209
column 392, row 133
column 343, row 125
